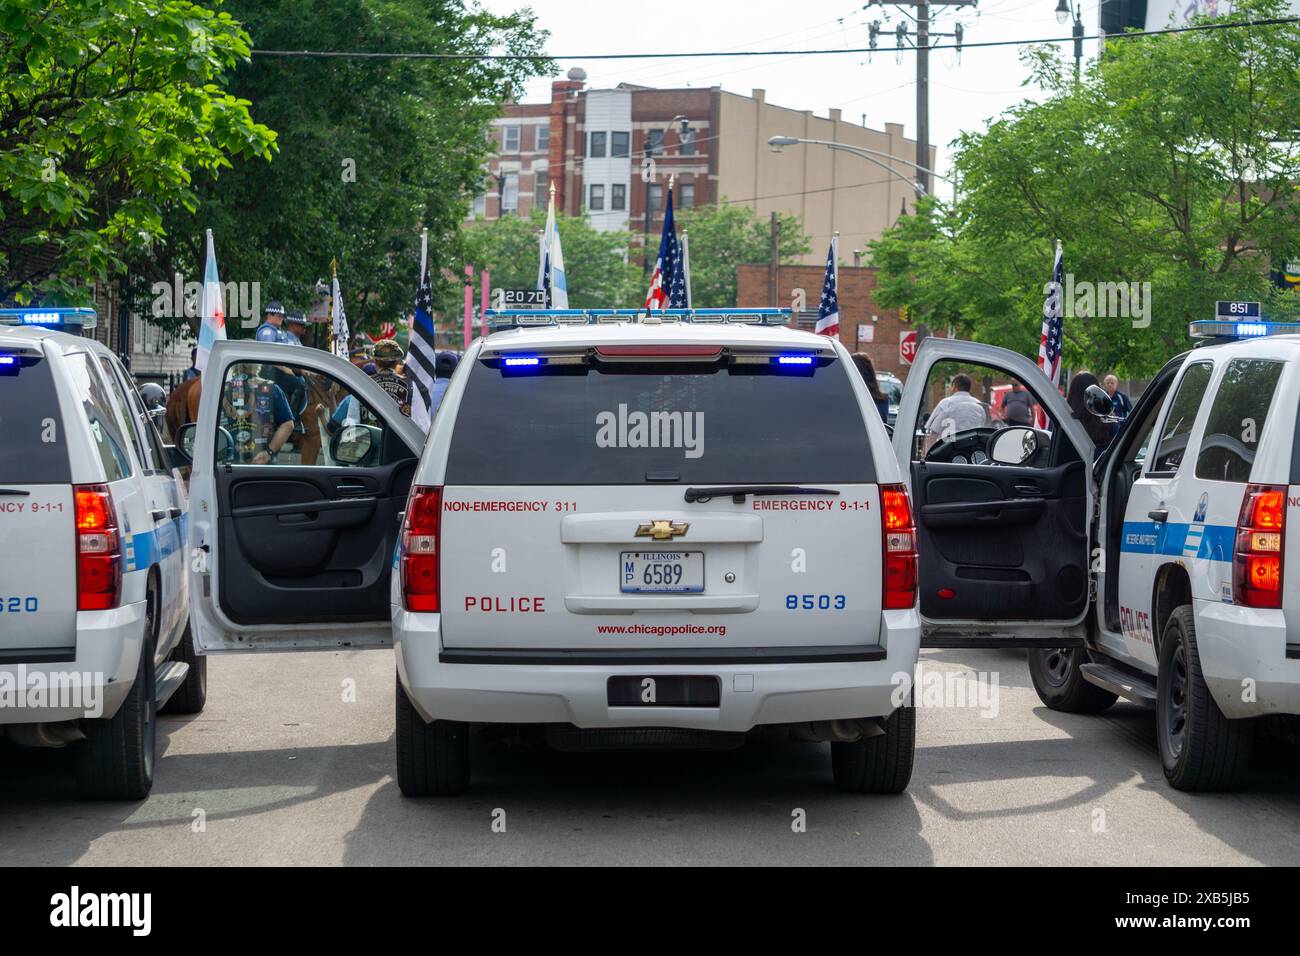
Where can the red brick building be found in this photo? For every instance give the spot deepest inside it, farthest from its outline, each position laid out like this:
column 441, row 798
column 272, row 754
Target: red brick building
column 864, row 325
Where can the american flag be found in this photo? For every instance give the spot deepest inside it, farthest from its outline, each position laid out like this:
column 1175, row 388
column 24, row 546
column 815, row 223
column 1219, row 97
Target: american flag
column 421, row 356
column 828, row 311
column 668, row 269
column 1049, row 345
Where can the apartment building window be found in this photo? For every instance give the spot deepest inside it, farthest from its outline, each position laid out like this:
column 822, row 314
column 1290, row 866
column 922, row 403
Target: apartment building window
column 510, row 139
column 480, row 206
column 655, row 141
column 543, row 138
column 618, row 196
column 541, row 189
column 619, row 143
column 597, row 201
column 687, row 147
column 686, row 195
column 656, row 199
column 510, row 195
column 597, row 144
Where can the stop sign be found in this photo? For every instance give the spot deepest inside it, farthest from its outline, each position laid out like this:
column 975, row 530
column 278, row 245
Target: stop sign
column 906, row 347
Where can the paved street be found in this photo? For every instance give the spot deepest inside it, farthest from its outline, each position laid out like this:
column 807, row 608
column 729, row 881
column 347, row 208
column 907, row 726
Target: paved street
column 287, row 773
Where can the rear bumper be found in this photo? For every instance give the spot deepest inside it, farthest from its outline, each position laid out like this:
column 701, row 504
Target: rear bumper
column 1244, row 659
column 753, row 692
column 94, row 683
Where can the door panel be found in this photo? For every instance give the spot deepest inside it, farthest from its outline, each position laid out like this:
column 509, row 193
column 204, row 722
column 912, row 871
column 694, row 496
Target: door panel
column 1001, row 543
column 298, row 548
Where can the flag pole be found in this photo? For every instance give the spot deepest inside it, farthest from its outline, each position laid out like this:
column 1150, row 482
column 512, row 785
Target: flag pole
column 835, row 258
column 334, row 275
column 686, row 264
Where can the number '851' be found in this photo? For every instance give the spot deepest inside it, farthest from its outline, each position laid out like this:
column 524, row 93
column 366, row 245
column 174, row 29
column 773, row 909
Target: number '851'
column 814, row 602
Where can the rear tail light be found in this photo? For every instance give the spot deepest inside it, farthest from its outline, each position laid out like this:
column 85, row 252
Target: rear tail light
column 898, row 534
column 99, row 549
column 420, row 572
column 1261, row 540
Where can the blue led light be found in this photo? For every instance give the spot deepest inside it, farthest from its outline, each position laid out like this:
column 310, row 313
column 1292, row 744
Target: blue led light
column 50, row 317
column 521, row 361
column 794, row 360
column 1251, row 328
column 8, row 360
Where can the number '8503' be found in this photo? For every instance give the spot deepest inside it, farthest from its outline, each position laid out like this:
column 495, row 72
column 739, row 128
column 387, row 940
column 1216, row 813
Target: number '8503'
column 19, row 605
column 814, row 602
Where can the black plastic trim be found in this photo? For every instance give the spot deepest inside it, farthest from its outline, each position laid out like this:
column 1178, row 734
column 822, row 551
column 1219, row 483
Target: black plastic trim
column 37, row 655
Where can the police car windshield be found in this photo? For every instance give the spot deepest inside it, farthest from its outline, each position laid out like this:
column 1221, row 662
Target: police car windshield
column 31, row 449
column 706, row 422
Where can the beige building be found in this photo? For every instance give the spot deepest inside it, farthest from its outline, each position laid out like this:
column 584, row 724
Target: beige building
column 829, row 190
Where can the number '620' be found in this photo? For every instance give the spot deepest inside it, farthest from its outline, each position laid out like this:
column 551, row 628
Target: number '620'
column 814, row 602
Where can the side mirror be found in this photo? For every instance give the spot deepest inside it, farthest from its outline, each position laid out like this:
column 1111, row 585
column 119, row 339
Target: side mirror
column 184, row 447
column 1098, row 403
column 1014, row 446
column 352, row 444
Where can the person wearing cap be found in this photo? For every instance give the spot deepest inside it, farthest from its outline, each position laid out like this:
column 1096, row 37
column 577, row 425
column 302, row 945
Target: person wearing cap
column 272, row 327
column 387, row 354
column 360, row 357
column 293, row 384
column 295, row 326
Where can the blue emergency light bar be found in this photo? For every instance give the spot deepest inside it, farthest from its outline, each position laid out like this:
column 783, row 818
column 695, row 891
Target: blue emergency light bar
column 1220, row 329
column 501, row 319
column 59, row 318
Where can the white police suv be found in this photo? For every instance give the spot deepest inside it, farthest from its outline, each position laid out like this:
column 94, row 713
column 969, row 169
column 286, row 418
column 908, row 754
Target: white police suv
column 1194, row 612
column 93, row 611
column 620, row 532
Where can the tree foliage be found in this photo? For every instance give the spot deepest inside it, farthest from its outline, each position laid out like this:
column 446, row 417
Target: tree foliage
column 370, row 150
column 1172, row 161
column 108, row 111
column 724, row 237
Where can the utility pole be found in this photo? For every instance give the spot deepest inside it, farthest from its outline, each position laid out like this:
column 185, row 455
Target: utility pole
column 924, row 34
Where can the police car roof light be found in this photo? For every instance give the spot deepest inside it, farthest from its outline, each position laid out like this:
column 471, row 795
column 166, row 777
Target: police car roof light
column 58, row 318
column 501, row 319
column 1220, row 329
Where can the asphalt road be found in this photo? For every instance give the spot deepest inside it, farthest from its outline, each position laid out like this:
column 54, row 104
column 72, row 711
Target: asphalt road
column 281, row 770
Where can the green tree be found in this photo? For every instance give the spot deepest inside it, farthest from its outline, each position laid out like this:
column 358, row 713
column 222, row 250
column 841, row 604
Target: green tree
column 724, row 237
column 108, row 110
column 600, row 275
column 1173, row 161
column 370, row 150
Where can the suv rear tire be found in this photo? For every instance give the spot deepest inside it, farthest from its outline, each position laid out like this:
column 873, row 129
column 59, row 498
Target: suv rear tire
column 880, row 764
column 192, row 695
column 116, row 760
column 432, row 758
column 1060, row 684
column 1201, row 749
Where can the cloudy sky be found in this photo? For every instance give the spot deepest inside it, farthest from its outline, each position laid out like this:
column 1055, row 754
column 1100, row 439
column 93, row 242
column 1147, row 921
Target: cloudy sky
column 965, row 91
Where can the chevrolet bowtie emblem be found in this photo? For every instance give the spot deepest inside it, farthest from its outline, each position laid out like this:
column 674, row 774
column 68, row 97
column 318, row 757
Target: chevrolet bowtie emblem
column 662, row 530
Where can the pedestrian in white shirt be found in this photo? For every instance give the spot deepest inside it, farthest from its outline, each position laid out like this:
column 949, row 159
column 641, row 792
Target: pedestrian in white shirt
column 960, row 411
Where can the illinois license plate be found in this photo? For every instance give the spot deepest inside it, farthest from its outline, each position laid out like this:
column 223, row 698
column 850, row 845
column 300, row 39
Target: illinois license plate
column 661, row 572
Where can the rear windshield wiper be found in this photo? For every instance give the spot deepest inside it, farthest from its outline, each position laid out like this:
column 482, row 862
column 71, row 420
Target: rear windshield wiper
column 738, row 492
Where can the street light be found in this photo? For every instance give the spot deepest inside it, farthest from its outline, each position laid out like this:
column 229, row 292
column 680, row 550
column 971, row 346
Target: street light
column 1064, row 10
column 777, row 142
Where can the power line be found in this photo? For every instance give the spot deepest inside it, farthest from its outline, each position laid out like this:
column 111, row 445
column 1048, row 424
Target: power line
column 545, row 57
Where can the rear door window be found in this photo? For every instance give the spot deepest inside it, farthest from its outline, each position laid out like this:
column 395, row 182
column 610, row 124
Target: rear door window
column 105, row 430
column 1236, row 420
column 1182, row 415
column 600, row 423
column 33, row 447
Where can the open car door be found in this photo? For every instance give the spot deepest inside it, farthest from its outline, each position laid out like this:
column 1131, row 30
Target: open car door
column 301, row 467
column 1003, row 507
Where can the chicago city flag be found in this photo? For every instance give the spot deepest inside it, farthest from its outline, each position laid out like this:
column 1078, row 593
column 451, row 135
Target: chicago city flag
column 212, row 325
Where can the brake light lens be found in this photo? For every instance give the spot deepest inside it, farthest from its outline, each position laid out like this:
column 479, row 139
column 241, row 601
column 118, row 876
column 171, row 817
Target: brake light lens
column 898, row 536
column 420, row 573
column 1261, row 542
column 99, row 549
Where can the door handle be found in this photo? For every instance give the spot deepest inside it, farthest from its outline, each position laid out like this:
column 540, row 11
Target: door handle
column 351, row 488
column 1028, row 489
column 175, row 512
column 1160, row 515
column 159, row 515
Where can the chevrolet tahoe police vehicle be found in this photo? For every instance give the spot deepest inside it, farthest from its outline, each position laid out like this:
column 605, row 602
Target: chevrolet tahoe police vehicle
column 1193, row 610
column 621, row 530
column 94, row 619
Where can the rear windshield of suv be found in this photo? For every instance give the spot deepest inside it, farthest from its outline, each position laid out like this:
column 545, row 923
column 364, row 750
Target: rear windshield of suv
column 32, row 446
column 615, row 423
